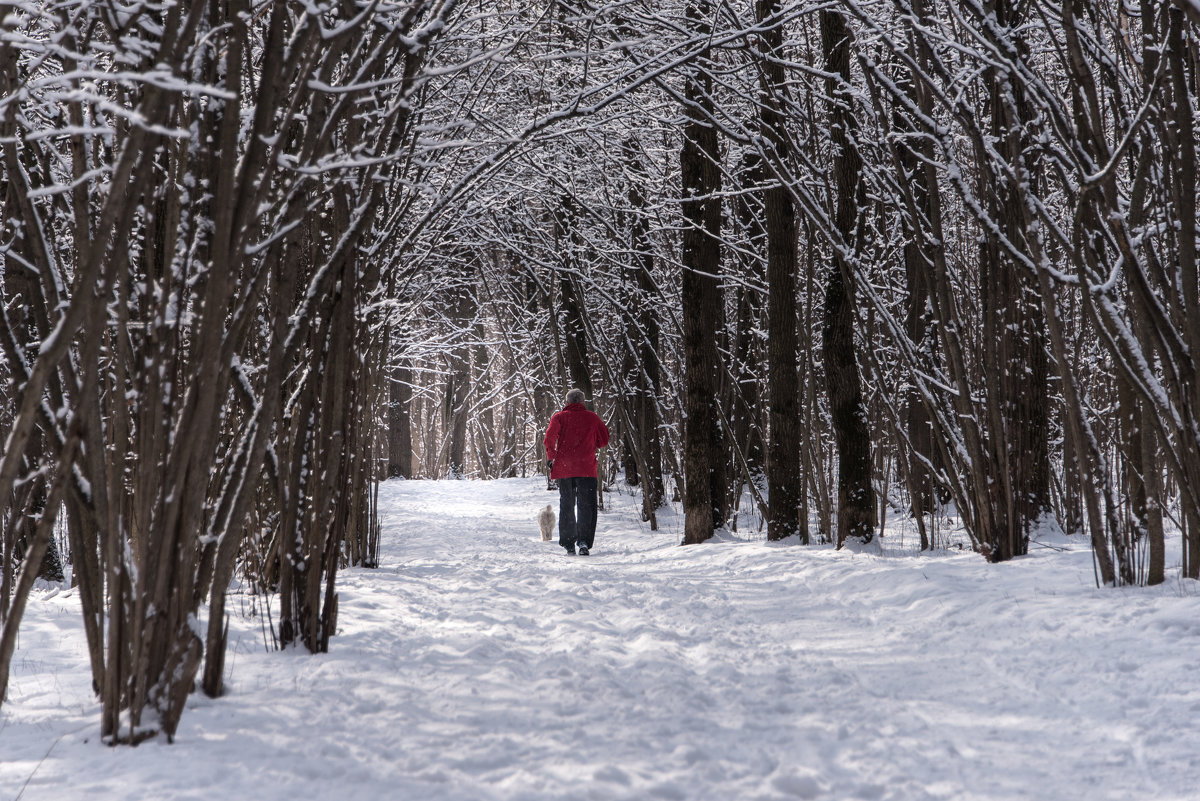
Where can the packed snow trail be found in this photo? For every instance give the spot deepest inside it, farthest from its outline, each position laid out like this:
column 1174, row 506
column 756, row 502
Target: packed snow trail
column 481, row 663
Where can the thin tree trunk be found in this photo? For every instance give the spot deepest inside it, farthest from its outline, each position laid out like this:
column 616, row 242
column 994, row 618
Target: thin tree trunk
column 576, row 353
column 746, row 423
column 648, row 310
column 1184, row 194
column 458, row 385
column 923, row 458
column 400, row 451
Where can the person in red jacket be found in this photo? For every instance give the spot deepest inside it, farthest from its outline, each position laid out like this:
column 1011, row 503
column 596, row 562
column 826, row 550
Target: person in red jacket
column 572, row 438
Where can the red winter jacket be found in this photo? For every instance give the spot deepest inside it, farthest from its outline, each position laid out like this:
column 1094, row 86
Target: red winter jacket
column 572, row 438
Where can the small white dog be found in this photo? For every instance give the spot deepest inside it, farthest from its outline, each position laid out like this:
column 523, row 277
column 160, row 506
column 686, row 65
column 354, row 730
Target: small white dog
column 546, row 522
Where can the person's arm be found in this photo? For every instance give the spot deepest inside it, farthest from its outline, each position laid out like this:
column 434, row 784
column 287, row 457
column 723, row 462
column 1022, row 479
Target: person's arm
column 601, row 433
column 551, row 439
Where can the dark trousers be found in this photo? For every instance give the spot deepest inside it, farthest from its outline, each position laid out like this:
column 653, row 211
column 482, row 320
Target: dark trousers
column 576, row 512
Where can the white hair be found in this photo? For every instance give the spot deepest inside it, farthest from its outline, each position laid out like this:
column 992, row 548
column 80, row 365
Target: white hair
column 576, row 396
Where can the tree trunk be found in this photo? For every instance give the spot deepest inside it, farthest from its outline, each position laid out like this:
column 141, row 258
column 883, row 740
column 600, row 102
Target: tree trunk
column 648, row 310
column 787, row 513
column 400, row 452
column 701, row 297
column 746, row 424
column 1183, row 187
column 458, row 385
column 856, row 495
column 578, row 361
column 923, row 454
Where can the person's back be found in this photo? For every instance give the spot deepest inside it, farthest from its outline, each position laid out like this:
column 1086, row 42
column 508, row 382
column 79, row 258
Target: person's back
column 572, row 438
column 571, row 441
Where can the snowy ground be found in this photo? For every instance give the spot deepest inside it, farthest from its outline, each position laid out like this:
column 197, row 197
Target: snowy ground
column 481, row 663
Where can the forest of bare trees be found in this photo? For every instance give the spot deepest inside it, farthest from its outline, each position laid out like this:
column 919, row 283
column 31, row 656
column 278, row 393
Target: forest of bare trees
column 817, row 264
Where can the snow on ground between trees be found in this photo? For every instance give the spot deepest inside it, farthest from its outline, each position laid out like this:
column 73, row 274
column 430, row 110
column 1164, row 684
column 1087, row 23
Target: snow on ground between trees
column 481, row 663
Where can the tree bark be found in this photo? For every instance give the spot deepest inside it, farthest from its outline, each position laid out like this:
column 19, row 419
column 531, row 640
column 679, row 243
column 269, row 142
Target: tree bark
column 746, row 416
column 458, row 385
column 400, row 452
column 704, row 492
column 647, row 309
column 788, row 512
column 856, row 495
column 1183, row 187
column 923, row 455
column 576, row 353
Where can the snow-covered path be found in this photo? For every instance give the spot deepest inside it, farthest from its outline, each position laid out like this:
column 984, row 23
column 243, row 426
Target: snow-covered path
column 481, row 663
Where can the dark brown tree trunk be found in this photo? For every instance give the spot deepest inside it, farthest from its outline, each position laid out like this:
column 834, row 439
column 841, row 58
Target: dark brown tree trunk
column 701, row 297
column 400, row 452
column 631, row 451
column 648, row 416
column 787, row 513
column 1015, row 362
column 856, row 494
column 922, row 457
column 485, row 424
column 1153, row 512
column 29, row 321
column 458, row 385
column 1147, row 438
column 38, row 546
column 812, row 450
column 647, row 309
column 1073, row 513
column 746, row 424
column 1133, row 468
column 578, row 361
column 1183, row 186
